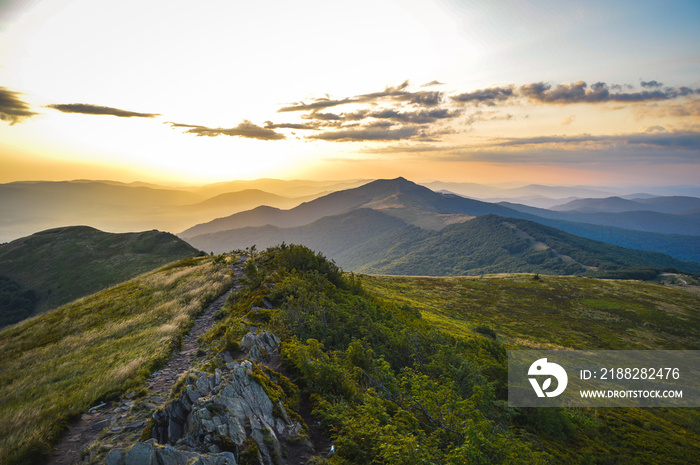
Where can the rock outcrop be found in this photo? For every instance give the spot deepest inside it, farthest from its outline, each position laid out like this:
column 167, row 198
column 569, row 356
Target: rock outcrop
column 238, row 412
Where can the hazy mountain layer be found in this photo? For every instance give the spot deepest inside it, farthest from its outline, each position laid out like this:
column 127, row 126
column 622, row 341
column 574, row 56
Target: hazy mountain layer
column 28, row 207
column 687, row 223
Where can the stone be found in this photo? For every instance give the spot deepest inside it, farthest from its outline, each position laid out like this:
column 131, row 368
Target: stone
column 219, row 411
column 140, row 454
column 115, row 457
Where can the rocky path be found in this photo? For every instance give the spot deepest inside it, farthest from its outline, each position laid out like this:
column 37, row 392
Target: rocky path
column 124, row 418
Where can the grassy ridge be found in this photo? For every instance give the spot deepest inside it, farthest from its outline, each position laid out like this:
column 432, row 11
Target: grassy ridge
column 575, row 313
column 56, row 365
column 63, row 264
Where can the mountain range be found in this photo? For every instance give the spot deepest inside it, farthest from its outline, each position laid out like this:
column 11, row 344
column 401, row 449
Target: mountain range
column 396, row 226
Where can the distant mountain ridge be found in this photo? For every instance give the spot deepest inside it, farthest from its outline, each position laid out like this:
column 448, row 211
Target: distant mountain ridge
column 398, row 197
column 63, row 264
column 419, row 206
column 671, row 205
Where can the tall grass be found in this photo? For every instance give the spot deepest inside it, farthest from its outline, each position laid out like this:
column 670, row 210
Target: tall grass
column 57, row 365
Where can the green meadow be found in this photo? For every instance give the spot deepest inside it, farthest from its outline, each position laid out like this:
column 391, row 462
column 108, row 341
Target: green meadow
column 553, row 311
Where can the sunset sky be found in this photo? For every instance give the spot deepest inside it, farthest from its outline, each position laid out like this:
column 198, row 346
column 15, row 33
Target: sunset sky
column 553, row 92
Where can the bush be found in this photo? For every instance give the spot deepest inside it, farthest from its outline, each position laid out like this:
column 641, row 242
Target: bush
column 486, row 331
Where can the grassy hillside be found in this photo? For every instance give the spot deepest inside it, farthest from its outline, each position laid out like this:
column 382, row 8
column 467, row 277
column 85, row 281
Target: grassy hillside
column 56, row 365
column 60, row 265
column 572, row 313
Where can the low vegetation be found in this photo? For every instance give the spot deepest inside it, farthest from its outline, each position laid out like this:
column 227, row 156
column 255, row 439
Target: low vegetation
column 553, row 312
column 59, row 364
column 392, row 369
column 414, row 370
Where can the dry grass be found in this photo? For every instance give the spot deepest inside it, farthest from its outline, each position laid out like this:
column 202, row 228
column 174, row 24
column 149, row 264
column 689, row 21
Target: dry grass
column 54, row 366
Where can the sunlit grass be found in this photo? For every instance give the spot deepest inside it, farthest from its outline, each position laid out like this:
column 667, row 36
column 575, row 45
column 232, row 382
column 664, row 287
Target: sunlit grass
column 54, row 366
column 553, row 311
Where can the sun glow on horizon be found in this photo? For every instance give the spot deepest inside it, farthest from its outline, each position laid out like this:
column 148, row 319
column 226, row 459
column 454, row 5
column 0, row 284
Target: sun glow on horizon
column 446, row 89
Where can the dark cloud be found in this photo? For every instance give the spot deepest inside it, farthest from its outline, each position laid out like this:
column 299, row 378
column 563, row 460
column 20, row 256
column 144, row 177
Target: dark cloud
column 367, row 134
column 432, row 83
column 410, row 117
column 680, row 140
column 400, row 94
column 12, row 108
column 323, row 116
column 271, row 125
column 396, row 94
column 415, row 117
column 87, row 109
column 653, row 146
column 487, row 96
column 652, row 84
column 579, row 92
column 382, row 131
column 317, row 104
column 245, row 129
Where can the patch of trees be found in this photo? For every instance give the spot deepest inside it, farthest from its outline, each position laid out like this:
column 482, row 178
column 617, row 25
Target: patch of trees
column 16, row 303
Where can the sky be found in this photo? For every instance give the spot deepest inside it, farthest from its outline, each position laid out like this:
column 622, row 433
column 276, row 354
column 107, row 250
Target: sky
column 182, row 92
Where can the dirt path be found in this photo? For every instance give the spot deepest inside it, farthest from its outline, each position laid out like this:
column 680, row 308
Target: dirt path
column 127, row 415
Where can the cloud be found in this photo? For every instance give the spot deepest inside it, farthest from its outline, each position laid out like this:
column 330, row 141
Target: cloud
column 568, row 120
column 367, row 134
column 657, row 146
column 415, row 117
column 87, row 109
column 12, row 108
column 324, row 116
column 317, row 104
column 486, row 96
column 382, row 131
column 652, row 84
column 578, row 92
column 433, row 83
column 570, row 93
column 400, row 94
column 310, row 126
column 680, row 140
column 245, row 129
column 396, row 94
column 479, row 116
